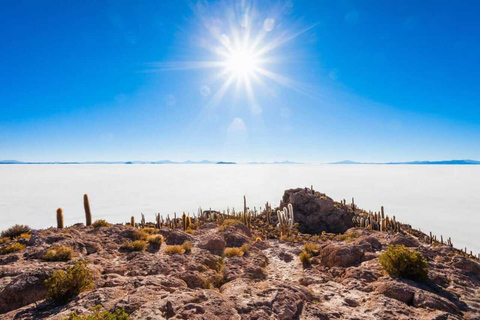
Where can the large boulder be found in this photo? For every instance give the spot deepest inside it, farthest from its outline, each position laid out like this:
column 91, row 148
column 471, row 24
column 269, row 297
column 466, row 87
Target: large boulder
column 341, row 255
column 315, row 212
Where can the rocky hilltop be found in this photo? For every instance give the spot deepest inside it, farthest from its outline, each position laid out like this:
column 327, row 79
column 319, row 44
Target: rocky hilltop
column 228, row 266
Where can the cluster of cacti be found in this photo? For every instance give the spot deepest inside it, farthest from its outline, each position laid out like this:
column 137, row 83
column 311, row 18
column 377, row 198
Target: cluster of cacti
column 376, row 221
column 88, row 214
column 186, row 222
column 285, row 219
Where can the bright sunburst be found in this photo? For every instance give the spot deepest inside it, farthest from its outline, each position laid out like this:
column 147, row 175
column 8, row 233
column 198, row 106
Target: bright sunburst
column 242, row 43
column 241, row 62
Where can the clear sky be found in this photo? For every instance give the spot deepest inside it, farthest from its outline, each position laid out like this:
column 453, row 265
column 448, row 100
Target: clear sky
column 311, row 81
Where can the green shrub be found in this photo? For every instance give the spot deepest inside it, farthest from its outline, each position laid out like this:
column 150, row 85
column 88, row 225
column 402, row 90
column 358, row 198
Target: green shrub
column 187, row 246
column 14, row 247
column 137, row 245
column 58, row 253
column 305, row 259
column 101, row 223
column 174, row 250
column 398, row 261
column 118, row 314
column 62, row 286
column 15, row 231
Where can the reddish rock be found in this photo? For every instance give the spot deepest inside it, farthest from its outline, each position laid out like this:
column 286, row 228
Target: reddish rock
column 213, row 243
column 341, row 255
column 315, row 212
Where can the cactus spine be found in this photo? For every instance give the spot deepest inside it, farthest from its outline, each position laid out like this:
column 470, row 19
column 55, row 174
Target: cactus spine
column 88, row 213
column 59, row 218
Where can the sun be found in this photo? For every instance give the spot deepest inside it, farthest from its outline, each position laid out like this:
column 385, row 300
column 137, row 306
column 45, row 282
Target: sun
column 244, row 46
column 241, row 63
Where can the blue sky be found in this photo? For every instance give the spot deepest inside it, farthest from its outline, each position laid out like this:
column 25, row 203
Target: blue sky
column 124, row 80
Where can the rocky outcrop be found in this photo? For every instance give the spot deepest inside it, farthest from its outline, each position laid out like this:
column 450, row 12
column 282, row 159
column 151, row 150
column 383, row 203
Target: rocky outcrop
column 345, row 280
column 315, row 212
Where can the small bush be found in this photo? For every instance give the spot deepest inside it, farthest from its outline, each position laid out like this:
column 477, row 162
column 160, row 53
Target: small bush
column 187, row 246
column 5, row 240
column 233, row 252
column 312, row 249
column 137, row 245
column 101, row 223
column 349, row 236
column 62, row 286
column 305, row 259
column 14, row 247
column 245, row 247
column 58, row 253
column 156, row 240
column 140, row 235
column 148, row 230
column 118, row 314
column 229, row 222
column 399, row 261
column 174, row 250
column 258, row 239
column 15, row 231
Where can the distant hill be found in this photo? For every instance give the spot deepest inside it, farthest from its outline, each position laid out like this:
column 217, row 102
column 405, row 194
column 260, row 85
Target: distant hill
column 346, row 162
column 452, row 162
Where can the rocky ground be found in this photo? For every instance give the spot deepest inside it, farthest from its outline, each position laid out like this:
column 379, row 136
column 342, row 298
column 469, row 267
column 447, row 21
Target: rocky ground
column 345, row 281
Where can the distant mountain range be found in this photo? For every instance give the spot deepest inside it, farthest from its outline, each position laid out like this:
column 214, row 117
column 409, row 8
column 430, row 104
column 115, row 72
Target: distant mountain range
column 140, row 162
column 456, row 162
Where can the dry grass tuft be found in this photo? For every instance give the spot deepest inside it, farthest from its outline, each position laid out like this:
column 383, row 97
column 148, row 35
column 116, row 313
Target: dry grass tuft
column 174, row 250
column 14, row 247
column 58, row 253
column 137, row 245
column 15, row 231
column 101, row 223
column 233, row 252
column 187, row 246
column 305, row 259
column 156, row 240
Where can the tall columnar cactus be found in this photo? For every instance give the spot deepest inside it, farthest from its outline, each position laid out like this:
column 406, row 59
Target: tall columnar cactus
column 285, row 219
column 132, row 221
column 184, row 221
column 268, row 211
column 88, row 213
column 157, row 219
column 59, row 218
column 142, row 222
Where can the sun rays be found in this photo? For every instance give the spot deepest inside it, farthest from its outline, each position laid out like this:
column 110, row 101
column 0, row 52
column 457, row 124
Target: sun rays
column 241, row 45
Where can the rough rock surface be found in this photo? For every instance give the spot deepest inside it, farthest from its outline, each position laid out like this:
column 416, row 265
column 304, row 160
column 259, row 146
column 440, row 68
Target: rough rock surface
column 267, row 282
column 315, row 212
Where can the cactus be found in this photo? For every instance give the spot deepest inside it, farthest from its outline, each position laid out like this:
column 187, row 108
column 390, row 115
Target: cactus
column 88, row 213
column 59, row 218
column 157, row 219
column 184, row 221
column 142, row 222
column 132, row 221
column 285, row 219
